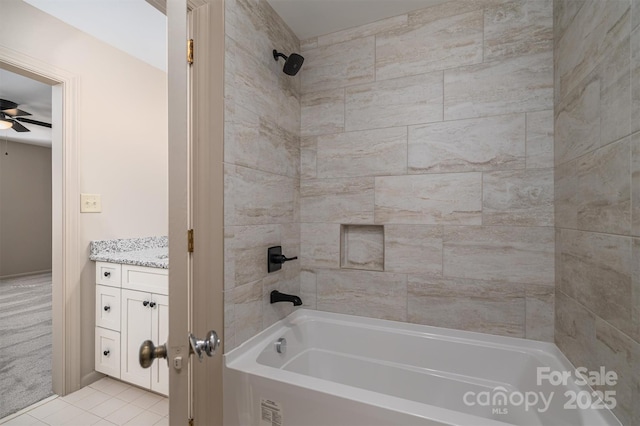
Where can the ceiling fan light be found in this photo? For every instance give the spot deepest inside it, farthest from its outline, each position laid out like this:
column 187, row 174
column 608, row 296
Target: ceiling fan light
column 5, row 124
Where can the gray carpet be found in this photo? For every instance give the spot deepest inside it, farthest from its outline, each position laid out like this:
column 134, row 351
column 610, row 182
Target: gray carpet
column 25, row 341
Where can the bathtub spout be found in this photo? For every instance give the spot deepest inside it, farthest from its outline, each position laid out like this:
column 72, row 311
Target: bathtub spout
column 276, row 296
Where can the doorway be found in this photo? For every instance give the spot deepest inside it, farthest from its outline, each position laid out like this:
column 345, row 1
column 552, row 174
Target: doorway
column 40, row 320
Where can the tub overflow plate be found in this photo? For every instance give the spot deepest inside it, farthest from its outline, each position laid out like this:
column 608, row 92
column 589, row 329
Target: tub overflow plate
column 281, row 345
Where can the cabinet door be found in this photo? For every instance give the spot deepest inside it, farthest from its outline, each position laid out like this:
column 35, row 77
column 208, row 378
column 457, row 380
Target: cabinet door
column 136, row 328
column 160, row 333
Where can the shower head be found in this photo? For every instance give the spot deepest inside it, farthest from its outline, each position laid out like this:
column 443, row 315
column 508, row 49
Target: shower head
column 292, row 63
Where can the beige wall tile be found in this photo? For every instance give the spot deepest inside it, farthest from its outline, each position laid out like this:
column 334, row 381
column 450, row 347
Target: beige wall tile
column 617, row 352
column 635, row 183
column 264, row 89
column 247, row 310
column 322, row 112
column 596, row 271
column 589, row 37
column 255, row 142
column 346, row 200
column 540, row 139
column 491, row 143
column 370, row 294
column 262, row 163
column 308, row 44
column 518, row 28
column 308, row 288
column 308, row 157
column 436, row 45
column 363, row 30
column 512, row 254
column 339, row 65
column 604, row 193
column 508, row 86
column 365, row 153
column 539, row 312
column 520, row 197
column 635, row 282
column 443, row 9
column 451, row 198
column 415, row 249
column 575, row 331
column 615, row 77
column 577, row 127
column 566, row 195
column 397, row 102
column 320, row 245
column 635, row 77
column 253, row 197
column 245, row 250
column 256, row 27
column 564, row 12
column 472, row 305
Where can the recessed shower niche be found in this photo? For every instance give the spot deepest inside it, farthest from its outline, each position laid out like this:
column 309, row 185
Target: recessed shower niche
column 362, row 247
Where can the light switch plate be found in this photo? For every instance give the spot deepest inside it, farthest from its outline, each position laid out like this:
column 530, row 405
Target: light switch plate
column 90, row 203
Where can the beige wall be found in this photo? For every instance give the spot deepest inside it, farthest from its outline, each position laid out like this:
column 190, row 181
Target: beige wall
column 121, row 131
column 597, row 184
column 437, row 127
column 261, row 154
column 25, row 208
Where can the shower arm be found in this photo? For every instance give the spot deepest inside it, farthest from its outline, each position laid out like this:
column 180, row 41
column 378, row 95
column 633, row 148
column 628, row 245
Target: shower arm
column 277, row 55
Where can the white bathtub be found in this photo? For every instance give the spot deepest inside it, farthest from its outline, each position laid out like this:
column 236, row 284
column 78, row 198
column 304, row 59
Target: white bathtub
column 347, row 370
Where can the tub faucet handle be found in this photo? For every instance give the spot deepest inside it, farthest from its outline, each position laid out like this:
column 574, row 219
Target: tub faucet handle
column 275, row 258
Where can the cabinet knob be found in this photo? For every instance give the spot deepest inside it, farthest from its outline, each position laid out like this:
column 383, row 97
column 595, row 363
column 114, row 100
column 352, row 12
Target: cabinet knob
column 145, row 303
column 107, row 308
column 106, row 353
column 107, row 274
column 152, row 304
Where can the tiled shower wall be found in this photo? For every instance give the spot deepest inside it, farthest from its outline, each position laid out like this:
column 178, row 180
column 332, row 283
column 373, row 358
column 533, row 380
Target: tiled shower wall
column 597, row 186
column 437, row 126
column 261, row 176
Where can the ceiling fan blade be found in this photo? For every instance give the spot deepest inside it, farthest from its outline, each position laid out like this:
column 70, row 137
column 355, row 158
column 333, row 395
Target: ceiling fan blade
column 36, row 122
column 5, row 104
column 15, row 112
column 19, row 127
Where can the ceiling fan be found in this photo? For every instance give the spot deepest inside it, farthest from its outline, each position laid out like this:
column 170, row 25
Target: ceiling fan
column 10, row 116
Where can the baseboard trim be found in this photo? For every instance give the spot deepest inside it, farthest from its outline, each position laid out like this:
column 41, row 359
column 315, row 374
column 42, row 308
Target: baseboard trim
column 24, row 274
column 87, row 379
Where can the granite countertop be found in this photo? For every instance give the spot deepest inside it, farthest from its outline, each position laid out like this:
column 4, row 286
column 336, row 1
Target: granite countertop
column 152, row 252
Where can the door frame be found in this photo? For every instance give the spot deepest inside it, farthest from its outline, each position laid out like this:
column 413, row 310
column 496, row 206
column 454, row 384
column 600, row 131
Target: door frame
column 66, row 284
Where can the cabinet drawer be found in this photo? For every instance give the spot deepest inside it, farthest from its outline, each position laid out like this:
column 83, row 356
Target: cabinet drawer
column 108, row 274
column 140, row 278
column 108, row 352
column 108, row 307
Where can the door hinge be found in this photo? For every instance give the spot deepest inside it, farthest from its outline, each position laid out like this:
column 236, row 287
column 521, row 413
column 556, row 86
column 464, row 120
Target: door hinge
column 190, row 240
column 190, row 51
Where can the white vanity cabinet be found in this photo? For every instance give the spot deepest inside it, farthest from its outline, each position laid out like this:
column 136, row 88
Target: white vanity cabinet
column 132, row 305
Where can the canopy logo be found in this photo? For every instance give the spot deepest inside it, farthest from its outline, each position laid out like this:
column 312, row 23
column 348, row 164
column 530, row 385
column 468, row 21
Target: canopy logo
column 577, row 395
column 499, row 398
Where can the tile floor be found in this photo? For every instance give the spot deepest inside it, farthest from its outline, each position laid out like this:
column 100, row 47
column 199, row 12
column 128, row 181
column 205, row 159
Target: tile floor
column 106, row 402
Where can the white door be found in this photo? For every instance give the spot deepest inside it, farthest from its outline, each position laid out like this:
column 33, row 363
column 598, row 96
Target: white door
column 196, row 104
